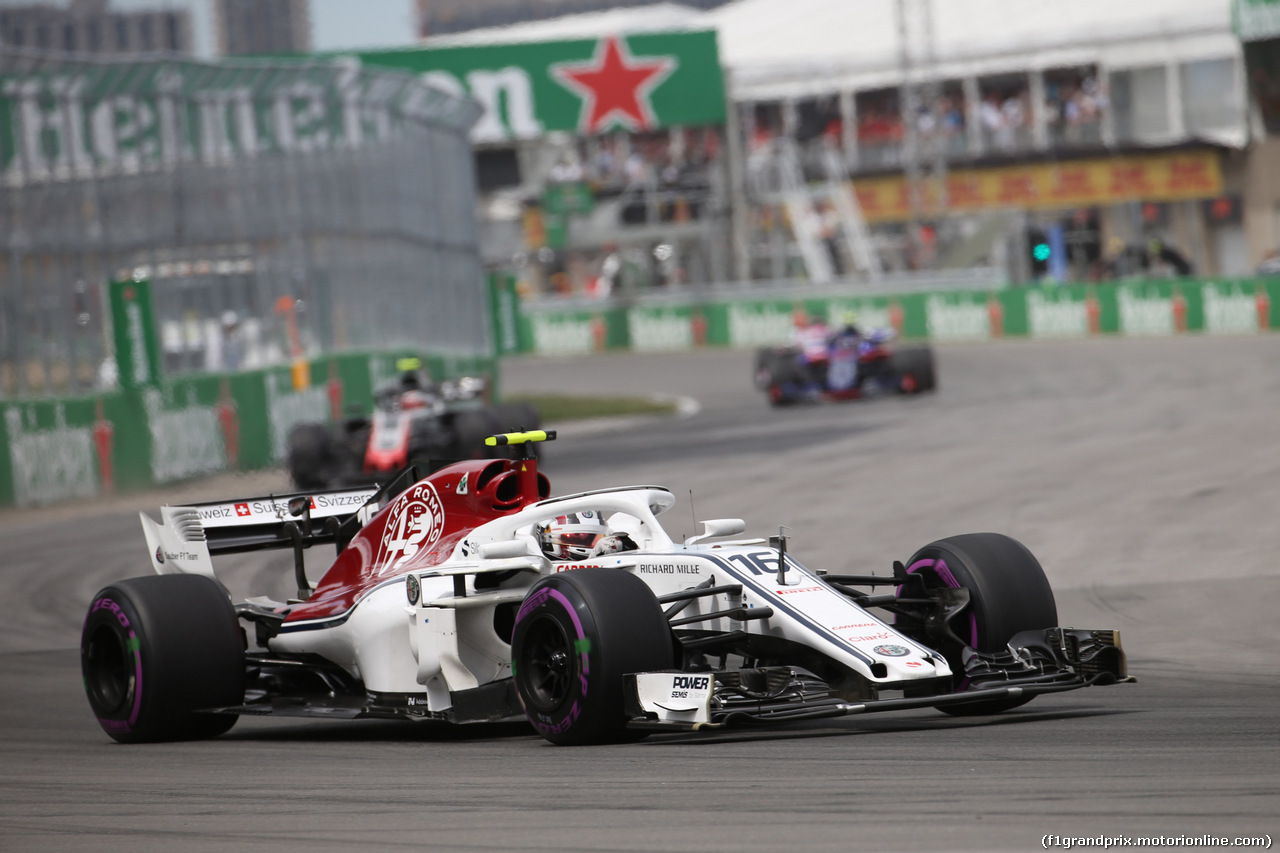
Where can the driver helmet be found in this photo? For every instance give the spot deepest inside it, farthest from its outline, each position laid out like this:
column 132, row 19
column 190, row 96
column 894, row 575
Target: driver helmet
column 413, row 399
column 572, row 536
column 614, row 543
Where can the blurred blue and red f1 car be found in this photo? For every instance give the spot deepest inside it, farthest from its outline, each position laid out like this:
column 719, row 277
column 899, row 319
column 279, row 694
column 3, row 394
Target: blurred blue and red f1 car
column 848, row 366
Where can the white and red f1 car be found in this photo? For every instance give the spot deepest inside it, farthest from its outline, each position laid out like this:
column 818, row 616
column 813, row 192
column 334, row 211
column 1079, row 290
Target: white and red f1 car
column 471, row 595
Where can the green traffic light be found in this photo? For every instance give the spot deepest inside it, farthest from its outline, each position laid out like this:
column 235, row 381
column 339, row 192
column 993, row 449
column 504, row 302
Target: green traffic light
column 1040, row 251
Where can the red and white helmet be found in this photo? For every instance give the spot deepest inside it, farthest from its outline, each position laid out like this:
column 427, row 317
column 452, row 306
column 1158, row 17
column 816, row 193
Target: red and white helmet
column 571, row 537
column 614, row 543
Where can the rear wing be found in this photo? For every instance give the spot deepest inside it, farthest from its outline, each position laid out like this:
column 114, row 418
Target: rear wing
column 257, row 523
column 186, row 537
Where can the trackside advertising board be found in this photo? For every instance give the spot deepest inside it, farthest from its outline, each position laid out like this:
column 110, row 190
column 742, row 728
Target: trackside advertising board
column 1131, row 308
column 134, row 329
column 584, row 86
column 175, row 429
column 1050, row 186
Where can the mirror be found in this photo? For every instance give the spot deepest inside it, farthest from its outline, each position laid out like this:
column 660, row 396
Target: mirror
column 718, row 527
column 505, row 550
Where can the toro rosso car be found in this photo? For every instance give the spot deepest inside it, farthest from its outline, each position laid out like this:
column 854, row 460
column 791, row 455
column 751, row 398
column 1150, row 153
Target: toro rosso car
column 844, row 366
column 471, row 595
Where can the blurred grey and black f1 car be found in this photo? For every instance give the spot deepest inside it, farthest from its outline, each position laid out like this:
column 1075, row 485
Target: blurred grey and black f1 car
column 412, row 420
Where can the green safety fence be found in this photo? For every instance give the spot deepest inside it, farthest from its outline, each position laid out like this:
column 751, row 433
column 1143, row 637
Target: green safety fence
column 61, row 449
column 124, row 440
column 1129, row 308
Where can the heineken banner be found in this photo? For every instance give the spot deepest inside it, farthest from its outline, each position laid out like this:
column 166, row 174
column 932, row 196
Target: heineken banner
column 80, row 115
column 132, row 321
column 1133, row 309
column 504, row 305
column 586, row 86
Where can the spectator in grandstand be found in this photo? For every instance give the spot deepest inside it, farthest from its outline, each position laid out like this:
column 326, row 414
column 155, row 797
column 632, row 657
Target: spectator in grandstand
column 1014, row 115
column 232, row 341
column 877, row 126
column 1074, row 108
column 567, row 170
column 926, row 122
column 637, row 170
column 1093, row 99
column 952, row 111
column 605, row 168
column 991, row 116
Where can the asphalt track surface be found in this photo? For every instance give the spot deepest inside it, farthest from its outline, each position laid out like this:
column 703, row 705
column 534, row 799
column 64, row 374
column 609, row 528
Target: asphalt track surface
column 1145, row 475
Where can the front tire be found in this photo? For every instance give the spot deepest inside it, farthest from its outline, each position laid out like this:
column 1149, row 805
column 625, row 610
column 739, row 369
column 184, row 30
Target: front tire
column 156, row 650
column 576, row 636
column 1008, row 593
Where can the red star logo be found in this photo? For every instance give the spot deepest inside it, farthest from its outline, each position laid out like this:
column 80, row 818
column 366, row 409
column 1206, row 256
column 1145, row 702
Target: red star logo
column 614, row 85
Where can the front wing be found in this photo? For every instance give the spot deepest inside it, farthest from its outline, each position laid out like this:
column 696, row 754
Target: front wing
column 1049, row 661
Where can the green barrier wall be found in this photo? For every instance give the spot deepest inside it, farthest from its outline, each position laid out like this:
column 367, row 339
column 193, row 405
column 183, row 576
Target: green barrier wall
column 61, row 449
column 1131, row 308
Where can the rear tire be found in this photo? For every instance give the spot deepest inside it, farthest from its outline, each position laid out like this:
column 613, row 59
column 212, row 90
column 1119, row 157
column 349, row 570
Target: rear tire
column 1008, row 593
column 513, row 417
column 776, row 369
column 915, row 371
column 576, row 635
column 516, row 417
column 156, row 650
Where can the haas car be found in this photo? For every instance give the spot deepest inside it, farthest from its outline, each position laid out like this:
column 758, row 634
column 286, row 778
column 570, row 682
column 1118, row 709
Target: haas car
column 846, row 365
column 412, row 419
column 472, row 595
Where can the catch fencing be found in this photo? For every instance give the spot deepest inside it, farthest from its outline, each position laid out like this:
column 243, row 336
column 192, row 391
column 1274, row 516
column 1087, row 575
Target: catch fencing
column 279, row 209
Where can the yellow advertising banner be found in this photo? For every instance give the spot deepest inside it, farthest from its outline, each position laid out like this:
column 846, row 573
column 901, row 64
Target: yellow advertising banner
column 1042, row 186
